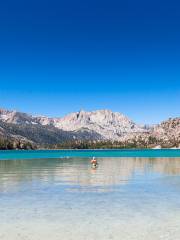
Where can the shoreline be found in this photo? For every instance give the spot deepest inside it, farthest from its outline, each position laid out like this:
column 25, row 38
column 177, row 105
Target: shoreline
column 92, row 149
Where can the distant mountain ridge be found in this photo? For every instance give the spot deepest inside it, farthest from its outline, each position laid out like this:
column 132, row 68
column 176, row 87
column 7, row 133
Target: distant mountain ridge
column 100, row 125
column 108, row 124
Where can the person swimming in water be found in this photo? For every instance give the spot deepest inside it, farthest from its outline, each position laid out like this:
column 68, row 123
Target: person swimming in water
column 94, row 162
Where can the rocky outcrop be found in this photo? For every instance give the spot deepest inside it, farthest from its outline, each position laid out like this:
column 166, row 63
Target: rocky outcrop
column 168, row 132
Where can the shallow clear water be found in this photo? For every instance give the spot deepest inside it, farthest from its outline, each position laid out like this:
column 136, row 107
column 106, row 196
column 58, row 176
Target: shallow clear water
column 63, row 199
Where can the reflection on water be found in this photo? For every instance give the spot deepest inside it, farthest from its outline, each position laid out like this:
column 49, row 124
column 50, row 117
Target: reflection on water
column 124, row 198
column 78, row 172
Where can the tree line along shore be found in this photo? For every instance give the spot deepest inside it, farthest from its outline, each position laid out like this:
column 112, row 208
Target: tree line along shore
column 9, row 144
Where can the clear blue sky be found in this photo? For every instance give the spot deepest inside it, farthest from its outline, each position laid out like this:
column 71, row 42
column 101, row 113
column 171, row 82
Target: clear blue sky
column 61, row 56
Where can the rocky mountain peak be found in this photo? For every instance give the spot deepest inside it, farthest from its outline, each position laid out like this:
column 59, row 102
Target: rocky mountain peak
column 110, row 125
column 99, row 125
column 105, row 122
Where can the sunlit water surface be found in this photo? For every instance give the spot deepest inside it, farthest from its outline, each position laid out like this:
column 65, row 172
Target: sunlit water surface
column 63, row 199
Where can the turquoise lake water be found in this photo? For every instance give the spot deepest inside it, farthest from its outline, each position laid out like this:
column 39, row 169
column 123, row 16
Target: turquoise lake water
column 132, row 195
column 88, row 153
